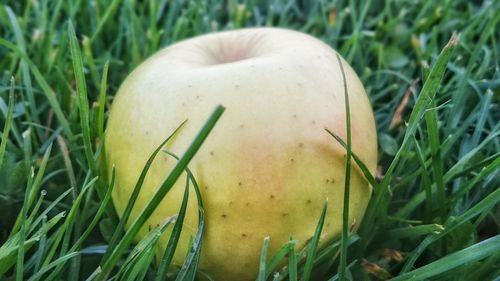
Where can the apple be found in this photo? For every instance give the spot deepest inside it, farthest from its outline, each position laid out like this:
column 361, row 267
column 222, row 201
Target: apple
column 268, row 166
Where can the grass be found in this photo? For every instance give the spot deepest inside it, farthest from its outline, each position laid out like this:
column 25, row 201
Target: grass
column 430, row 68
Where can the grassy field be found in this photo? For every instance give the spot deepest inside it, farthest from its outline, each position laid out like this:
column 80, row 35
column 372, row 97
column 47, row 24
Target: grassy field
column 430, row 68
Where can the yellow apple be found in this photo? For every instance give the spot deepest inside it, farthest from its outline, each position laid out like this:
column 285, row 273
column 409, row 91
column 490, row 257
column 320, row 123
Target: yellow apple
column 268, row 166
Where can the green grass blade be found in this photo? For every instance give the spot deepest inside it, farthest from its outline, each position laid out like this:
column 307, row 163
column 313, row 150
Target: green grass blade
column 189, row 268
column 279, row 256
column 313, row 245
column 50, row 208
column 37, row 182
column 34, row 188
column 413, row 231
column 81, row 91
column 98, row 214
column 67, row 163
column 332, row 250
column 366, row 172
column 431, row 119
column 35, row 210
column 162, row 191
column 65, row 229
column 102, row 101
column 8, row 122
column 42, row 245
column 426, row 180
column 22, row 229
column 263, row 259
column 62, row 260
column 142, row 254
column 468, row 255
column 133, row 197
column 168, row 255
column 292, row 264
column 347, row 186
column 452, row 223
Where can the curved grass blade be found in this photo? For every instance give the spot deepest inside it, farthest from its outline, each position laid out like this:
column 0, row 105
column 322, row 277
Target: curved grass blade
column 135, row 193
column 162, row 191
column 62, row 260
column 190, row 266
column 174, row 237
column 143, row 253
column 279, row 256
column 36, row 209
column 49, row 208
column 366, row 172
column 332, row 250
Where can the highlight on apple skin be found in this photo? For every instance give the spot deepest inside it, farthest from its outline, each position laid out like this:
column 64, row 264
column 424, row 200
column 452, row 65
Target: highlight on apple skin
column 268, row 166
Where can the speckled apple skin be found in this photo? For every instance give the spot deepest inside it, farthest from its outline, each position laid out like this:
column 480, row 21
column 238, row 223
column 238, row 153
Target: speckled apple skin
column 268, row 166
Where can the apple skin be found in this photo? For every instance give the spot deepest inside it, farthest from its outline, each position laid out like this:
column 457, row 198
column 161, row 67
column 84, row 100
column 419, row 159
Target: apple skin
column 268, row 166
